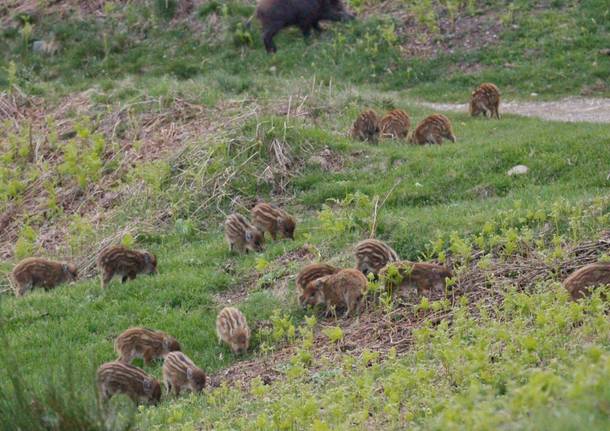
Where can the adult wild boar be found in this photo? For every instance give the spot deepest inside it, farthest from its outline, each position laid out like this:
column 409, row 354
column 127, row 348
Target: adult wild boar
column 274, row 15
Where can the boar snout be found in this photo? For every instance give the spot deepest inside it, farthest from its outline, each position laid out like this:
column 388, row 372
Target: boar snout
column 338, row 15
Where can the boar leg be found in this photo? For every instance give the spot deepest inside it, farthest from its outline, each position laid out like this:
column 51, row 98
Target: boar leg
column 106, row 277
column 306, row 30
column 268, row 35
column 147, row 356
column 316, row 26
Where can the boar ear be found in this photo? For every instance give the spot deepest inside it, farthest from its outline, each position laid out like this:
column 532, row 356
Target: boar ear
column 248, row 235
column 189, row 373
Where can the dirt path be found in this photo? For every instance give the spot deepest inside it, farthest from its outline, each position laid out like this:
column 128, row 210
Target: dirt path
column 571, row 109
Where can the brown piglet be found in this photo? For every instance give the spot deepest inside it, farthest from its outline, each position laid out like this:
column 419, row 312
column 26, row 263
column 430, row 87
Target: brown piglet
column 422, row 276
column 124, row 262
column 486, row 100
column 395, row 124
column 144, row 343
column 372, row 255
column 344, row 289
column 580, row 283
column 432, row 130
column 120, row 378
column 242, row 235
column 179, row 373
column 366, row 127
column 232, row 329
column 269, row 218
column 33, row 272
column 312, row 272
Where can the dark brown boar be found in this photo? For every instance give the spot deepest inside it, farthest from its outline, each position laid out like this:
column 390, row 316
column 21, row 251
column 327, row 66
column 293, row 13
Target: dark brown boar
column 274, row 15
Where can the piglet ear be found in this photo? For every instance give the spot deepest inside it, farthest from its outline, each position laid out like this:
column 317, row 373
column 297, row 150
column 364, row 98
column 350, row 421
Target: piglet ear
column 279, row 221
column 189, row 373
column 248, row 235
column 166, row 343
column 147, row 385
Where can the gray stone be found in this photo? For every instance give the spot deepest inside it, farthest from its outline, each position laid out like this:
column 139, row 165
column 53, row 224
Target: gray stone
column 517, row 170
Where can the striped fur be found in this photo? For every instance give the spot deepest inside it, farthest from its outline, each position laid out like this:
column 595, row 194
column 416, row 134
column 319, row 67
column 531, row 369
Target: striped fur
column 395, row 124
column 366, row 127
column 144, row 343
column 269, row 218
column 242, row 235
column 432, row 130
column 423, row 276
column 343, row 289
column 486, row 100
column 126, row 263
column 119, row 378
column 580, row 282
column 372, row 255
column 232, row 328
column 33, row 272
column 312, row 272
column 179, row 373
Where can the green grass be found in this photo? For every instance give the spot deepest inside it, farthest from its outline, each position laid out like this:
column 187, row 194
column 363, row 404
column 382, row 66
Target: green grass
column 539, row 353
column 549, row 50
column 538, row 362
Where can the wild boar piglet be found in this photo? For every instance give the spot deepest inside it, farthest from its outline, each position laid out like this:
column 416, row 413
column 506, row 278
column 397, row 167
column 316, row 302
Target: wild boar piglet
column 37, row 272
column 124, row 262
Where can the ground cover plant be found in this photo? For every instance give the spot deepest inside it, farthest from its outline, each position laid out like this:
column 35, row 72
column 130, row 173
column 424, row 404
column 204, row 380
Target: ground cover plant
column 146, row 123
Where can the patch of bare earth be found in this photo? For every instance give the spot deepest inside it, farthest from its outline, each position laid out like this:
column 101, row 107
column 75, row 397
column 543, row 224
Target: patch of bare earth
column 279, row 286
column 379, row 331
column 571, row 109
column 465, row 32
column 68, row 8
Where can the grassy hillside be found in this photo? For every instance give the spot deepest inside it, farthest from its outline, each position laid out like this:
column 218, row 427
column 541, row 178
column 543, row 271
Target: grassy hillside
column 149, row 125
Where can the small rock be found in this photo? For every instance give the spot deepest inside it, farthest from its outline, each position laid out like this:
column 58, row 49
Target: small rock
column 38, row 46
column 534, row 94
column 517, row 170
